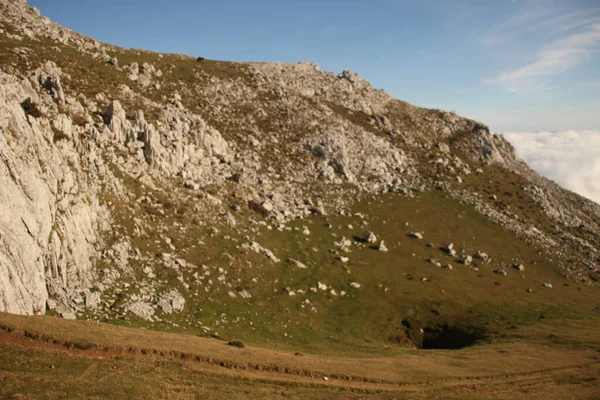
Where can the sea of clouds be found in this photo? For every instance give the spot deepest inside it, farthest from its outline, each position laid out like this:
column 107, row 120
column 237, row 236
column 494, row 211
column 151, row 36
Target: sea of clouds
column 570, row 158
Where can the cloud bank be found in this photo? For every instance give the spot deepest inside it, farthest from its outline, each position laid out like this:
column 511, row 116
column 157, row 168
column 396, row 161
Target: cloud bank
column 570, row 158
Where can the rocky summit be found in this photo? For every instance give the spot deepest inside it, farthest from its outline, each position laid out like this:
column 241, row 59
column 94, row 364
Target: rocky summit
column 267, row 202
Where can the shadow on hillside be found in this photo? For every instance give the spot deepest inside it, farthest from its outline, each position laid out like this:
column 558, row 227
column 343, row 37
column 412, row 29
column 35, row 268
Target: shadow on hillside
column 446, row 337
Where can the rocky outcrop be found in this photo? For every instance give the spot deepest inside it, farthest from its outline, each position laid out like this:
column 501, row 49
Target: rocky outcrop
column 351, row 155
column 49, row 213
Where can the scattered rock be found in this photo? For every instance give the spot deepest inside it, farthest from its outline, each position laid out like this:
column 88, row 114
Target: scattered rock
column 344, row 244
column 369, row 237
column 257, row 248
column 434, row 262
column 416, row 235
column 466, row 260
column 382, row 246
column 450, row 250
column 547, row 285
column 297, row 263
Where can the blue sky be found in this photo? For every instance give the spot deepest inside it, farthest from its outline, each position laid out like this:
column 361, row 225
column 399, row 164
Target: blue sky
column 516, row 65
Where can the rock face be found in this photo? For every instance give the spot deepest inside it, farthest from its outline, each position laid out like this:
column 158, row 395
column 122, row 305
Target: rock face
column 49, row 219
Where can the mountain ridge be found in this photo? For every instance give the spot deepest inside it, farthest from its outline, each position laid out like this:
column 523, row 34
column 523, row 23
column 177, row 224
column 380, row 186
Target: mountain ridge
column 278, row 141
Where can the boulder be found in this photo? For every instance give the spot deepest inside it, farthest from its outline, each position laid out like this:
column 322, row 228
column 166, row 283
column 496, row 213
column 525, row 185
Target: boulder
column 171, row 301
column 140, row 309
column 450, row 250
column 369, row 237
column 48, row 76
column 382, row 246
column 466, row 260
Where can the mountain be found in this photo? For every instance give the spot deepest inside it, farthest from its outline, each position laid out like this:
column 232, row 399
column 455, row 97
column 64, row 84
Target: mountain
column 275, row 205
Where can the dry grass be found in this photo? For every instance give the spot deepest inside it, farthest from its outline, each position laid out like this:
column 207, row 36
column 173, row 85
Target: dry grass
column 80, row 356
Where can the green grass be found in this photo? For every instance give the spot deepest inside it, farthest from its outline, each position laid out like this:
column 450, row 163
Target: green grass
column 373, row 318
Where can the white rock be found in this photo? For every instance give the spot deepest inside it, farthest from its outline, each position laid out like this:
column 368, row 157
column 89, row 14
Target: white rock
column 140, row 309
column 68, row 315
column 450, row 250
column 297, row 264
column 257, row 248
column 466, row 260
column 519, row 267
column 369, row 237
column 49, row 218
column 171, row 301
column 435, row 262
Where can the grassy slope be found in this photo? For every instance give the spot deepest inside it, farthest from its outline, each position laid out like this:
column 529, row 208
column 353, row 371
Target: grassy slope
column 368, row 322
column 392, row 296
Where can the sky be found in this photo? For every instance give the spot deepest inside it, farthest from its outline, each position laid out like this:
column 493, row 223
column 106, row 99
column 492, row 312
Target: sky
column 515, row 65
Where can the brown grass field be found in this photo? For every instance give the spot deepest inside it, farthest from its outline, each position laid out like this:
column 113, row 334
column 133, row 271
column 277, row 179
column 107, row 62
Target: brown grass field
column 47, row 357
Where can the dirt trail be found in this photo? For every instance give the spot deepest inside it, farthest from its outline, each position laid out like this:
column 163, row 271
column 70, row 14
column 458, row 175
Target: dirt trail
column 492, row 385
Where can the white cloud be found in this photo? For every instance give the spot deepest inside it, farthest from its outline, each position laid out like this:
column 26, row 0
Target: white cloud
column 557, row 57
column 570, row 158
column 570, row 38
